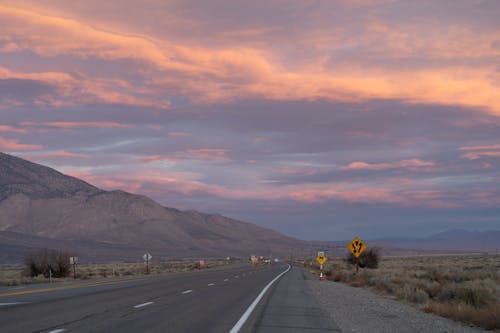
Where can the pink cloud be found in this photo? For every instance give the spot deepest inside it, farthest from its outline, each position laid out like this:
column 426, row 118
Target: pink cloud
column 476, row 152
column 83, row 124
column 296, row 171
column 157, row 183
column 11, row 129
column 209, row 154
column 484, row 147
column 13, row 145
column 179, row 134
column 156, row 158
column 477, row 155
column 56, row 154
column 404, row 164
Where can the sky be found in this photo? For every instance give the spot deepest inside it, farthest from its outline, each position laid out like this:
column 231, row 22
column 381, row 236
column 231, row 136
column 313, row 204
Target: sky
column 320, row 119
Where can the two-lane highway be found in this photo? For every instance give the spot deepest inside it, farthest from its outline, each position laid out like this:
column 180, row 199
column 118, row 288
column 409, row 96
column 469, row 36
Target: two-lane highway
column 272, row 298
column 204, row 301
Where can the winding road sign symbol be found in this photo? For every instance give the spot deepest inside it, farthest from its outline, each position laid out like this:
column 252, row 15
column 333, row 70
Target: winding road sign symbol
column 356, row 246
column 321, row 258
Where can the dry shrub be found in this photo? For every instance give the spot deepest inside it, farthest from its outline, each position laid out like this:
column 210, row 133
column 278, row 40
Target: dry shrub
column 368, row 259
column 358, row 283
column 47, row 262
column 338, row 277
column 487, row 317
column 412, row 294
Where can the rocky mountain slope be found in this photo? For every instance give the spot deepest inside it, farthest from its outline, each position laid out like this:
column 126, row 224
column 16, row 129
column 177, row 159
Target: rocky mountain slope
column 37, row 201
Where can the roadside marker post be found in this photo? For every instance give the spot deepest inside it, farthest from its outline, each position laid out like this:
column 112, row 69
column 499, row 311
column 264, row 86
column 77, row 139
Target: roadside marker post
column 147, row 258
column 73, row 261
column 321, row 259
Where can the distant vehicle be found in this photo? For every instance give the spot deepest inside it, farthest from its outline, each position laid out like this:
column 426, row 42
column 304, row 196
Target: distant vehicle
column 276, row 260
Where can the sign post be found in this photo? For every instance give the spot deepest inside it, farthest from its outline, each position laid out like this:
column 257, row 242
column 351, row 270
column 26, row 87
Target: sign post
column 356, row 246
column 73, row 261
column 321, row 259
column 147, row 258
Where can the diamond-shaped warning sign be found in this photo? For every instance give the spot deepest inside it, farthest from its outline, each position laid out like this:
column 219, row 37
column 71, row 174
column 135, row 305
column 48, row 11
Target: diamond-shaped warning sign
column 356, row 246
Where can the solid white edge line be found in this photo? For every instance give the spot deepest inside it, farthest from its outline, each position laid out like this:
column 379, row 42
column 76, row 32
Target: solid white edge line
column 237, row 327
column 187, row 291
column 143, row 304
column 14, row 303
column 58, row 330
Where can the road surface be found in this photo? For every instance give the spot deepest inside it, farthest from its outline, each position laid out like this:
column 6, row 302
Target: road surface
column 200, row 301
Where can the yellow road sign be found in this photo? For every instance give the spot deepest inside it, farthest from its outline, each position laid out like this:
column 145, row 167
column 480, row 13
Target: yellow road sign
column 356, row 246
column 321, row 259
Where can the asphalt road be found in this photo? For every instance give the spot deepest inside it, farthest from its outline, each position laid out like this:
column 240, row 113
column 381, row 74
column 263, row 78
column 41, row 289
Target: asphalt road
column 201, row 301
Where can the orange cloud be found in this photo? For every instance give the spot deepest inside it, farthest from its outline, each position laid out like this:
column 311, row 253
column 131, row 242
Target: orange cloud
column 217, row 75
column 9, row 145
column 69, row 90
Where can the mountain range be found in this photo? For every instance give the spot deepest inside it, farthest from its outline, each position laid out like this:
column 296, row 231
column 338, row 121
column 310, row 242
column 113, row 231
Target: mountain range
column 41, row 207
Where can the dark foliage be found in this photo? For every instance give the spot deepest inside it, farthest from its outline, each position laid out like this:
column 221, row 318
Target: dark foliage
column 45, row 261
column 367, row 259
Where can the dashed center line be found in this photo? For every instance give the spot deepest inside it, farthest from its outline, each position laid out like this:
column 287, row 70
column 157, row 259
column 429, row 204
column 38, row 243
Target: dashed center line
column 236, row 276
column 225, row 280
column 187, row 291
column 59, row 330
column 211, row 284
column 143, row 304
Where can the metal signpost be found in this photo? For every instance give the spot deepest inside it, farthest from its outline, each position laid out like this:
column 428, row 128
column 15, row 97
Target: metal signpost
column 357, row 246
column 321, row 259
column 73, row 261
column 147, row 258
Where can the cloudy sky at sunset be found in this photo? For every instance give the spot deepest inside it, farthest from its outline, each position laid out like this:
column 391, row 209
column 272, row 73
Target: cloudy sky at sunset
column 320, row 119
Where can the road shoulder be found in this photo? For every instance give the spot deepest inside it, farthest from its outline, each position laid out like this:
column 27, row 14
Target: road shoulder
column 290, row 307
column 361, row 310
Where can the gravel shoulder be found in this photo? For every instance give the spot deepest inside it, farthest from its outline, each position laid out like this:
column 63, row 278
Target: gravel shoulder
column 361, row 310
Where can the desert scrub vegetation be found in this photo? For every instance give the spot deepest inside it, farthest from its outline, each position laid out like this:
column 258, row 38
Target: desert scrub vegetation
column 11, row 275
column 464, row 288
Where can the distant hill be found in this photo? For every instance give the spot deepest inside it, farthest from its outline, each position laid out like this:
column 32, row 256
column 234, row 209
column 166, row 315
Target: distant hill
column 455, row 240
column 41, row 207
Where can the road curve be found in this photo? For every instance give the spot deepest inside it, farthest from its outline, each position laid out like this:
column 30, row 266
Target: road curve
column 201, row 301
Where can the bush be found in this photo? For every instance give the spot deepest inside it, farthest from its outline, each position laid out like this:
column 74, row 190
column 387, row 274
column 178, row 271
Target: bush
column 46, row 261
column 368, row 259
column 487, row 317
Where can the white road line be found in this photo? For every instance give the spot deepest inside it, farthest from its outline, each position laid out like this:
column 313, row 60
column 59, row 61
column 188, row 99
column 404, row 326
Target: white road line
column 211, row 284
column 237, row 327
column 225, row 280
column 143, row 304
column 187, row 291
column 7, row 304
column 236, row 276
column 59, row 330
